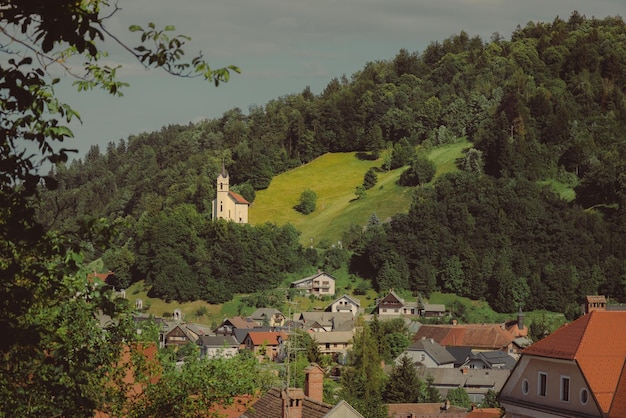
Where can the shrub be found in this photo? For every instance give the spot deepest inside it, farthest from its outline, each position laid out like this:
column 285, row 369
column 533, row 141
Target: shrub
column 308, row 201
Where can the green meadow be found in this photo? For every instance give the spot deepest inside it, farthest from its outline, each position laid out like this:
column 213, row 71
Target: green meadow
column 334, row 178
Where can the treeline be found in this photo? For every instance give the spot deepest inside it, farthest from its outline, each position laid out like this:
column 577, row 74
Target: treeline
column 547, row 105
column 184, row 256
column 508, row 241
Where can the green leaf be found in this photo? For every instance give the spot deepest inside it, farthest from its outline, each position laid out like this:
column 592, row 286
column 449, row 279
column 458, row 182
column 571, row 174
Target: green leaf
column 135, row 28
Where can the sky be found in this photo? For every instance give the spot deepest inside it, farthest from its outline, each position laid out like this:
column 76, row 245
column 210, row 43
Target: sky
column 281, row 47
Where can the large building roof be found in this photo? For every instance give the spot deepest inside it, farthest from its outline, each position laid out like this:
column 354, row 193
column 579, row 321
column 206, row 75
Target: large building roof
column 478, row 336
column 597, row 342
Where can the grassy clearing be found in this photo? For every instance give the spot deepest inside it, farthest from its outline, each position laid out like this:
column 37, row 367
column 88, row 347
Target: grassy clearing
column 161, row 308
column 446, row 156
column 334, row 178
column 564, row 190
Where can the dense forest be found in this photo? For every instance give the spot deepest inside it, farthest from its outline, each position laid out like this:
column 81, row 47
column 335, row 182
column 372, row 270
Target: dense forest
column 547, row 106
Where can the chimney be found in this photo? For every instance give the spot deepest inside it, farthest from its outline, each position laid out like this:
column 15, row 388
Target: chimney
column 292, row 403
column 520, row 319
column 314, row 382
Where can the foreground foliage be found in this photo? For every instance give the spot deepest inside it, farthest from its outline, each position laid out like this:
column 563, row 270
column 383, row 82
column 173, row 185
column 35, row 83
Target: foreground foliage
column 55, row 359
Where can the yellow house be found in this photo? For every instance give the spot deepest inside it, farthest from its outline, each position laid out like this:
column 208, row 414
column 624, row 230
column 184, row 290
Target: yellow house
column 228, row 204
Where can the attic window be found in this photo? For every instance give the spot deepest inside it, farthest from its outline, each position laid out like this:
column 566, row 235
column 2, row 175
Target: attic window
column 525, row 387
column 584, row 396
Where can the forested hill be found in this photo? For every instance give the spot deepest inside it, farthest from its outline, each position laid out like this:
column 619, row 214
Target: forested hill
column 546, row 105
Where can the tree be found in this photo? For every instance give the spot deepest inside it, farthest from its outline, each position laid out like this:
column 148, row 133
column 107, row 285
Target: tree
column 490, row 400
column 199, row 385
column 55, row 360
column 432, row 393
column 421, row 171
column 307, row 202
column 360, row 192
column 362, row 380
column 404, row 385
column 370, row 179
column 459, row 397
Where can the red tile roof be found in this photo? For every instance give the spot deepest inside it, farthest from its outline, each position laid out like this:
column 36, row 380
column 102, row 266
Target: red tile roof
column 597, row 342
column 238, row 198
column 479, row 336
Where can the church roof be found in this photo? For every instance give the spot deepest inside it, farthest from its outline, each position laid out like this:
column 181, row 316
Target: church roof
column 239, row 199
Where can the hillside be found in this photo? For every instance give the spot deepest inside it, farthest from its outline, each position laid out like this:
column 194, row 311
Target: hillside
column 543, row 112
column 334, row 177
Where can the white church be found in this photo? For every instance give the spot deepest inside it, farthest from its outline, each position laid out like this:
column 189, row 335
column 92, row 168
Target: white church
column 228, row 204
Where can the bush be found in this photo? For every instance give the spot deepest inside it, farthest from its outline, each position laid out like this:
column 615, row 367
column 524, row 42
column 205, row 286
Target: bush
column 308, row 201
column 370, row 179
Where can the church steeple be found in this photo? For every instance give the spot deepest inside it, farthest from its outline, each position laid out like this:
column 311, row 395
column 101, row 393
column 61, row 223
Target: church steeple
column 222, row 180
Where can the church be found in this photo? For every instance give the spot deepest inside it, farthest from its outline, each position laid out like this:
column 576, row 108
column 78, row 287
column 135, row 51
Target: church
column 228, row 204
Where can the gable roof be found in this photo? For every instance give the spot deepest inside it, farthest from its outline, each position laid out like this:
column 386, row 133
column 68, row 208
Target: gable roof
column 438, row 353
column 333, row 337
column 434, row 307
column 597, row 342
column 239, row 199
column 266, row 337
column 270, row 405
column 391, row 299
column 262, row 313
column 334, row 320
column 479, row 336
column 241, row 323
column 218, row 341
column 495, row 359
column 316, row 275
column 349, row 298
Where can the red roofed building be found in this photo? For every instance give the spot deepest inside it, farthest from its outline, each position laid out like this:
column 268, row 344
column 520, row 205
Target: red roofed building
column 577, row 371
column 228, row 204
column 266, row 345
column 479, row 337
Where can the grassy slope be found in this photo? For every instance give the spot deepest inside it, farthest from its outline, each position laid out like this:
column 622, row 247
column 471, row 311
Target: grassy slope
column 334, row 178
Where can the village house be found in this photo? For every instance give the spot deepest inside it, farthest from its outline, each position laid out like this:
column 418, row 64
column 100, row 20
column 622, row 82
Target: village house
column 427, row 353
column 476, row 382
column 432, row 310
column 393, row 305
column 345, row 303
column 490, row 360
column 299, row 403
column 228, row 326
column 212, row 346
column 577, row 371
column 266, row 345
column 335, row 343
column 319, row 284
column 478, row 337
column 268, row 317
column 326, row 321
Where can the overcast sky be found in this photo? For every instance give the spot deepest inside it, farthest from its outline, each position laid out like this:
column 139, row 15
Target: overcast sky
column 282, row 46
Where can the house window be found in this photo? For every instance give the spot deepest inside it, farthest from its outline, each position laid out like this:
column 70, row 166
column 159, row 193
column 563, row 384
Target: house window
column 584, row 396
column 542, row 385
column 564, row 388
column 525, row 387
column 423, row 357
column 221, row 207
